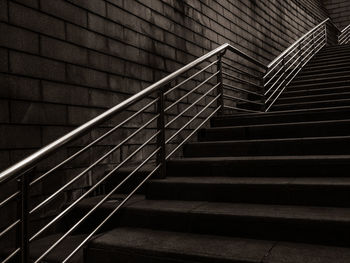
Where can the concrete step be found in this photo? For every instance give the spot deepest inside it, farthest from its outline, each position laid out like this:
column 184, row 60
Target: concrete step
column 290, row 93
column 325, row 70
column 282, row 116
column 312, row 191
column 331, row 66
column 135, row 245
column 278, row 130
column 322, row 74
column 313, row 98
column 335, row 48
column 310, row 224
column 331, row 60
column 261, row 166
column 337, row 145
column 332, row 54
column 310, row 104
column 319, row 84
column 344, row 76
column 39, row 246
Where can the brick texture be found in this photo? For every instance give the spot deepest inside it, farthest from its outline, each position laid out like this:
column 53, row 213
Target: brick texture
column 62, row 62
column 339, row 11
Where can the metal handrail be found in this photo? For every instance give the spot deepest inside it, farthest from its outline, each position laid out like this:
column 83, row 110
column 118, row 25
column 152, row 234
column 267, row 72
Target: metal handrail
column 284, row 68
column 34, row 158
column 344, row 37
column 208, row 83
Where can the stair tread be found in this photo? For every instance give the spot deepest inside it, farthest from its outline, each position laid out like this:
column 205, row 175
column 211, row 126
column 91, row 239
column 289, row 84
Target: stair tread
column 310, row 102
column 333, row 138
column 306, row 181
column 274, row 113
column 266, row 158
column 278, row 124
column 331, row 83
column 183, row 245
column 249, row 210
column 315, row 96
column 313, row 89
column 210, row 248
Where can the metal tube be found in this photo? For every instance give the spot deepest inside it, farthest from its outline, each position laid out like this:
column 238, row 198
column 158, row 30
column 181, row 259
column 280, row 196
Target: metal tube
column 191, row 91
column 8, row 199
column 92, row 143
column 307, row 60
column 23, row 210
column 233, row 88
column 240, row 99
column 7, row 229
column 241, row 80
column 93, row 209
column 191, row 120
column 109, row 216
column 39, row 155
column 189, row 78
column 11, row 255
column 51, row 197
column 240, row 109
column 66, row 210
column 193, row 104
column 219, row 80
column 193, row 132
column 285, row 77
column 161, row 136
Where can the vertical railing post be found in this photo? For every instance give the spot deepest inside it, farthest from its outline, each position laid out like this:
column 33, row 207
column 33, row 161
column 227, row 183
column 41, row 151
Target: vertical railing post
column 23, row 212
column 325, row 34
column 161, row 136
column 220, row 89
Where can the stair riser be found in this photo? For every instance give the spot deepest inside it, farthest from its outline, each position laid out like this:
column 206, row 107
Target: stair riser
column 259, row 169
column 268, row 148
column 325, row 78
column 319, row 85
column 312, row 92
column 332, row 55
column 266, row 167
column 313, row 98
column 311, row 105
column 270, row 132
column 328, row 66
column 323, row 61
column 321, row 72
column 239, row 226
column 285, row 118
column 262, row 194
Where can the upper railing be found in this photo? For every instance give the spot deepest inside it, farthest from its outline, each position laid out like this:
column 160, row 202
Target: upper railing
column 283, row 69
column 344, row 37
column 148, row 128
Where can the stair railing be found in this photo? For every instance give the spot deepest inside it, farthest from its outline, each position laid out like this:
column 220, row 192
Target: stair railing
column 142, row 130
column 283, row 69
column 344, row 37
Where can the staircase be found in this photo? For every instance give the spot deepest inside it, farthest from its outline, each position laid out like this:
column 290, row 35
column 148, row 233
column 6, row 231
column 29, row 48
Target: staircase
column 256, row 187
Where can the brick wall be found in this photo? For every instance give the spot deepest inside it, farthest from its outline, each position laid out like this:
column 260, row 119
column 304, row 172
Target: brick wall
column 339, row 11
column 63, row 62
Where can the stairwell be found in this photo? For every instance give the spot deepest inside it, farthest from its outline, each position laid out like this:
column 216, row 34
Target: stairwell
column 256, row 187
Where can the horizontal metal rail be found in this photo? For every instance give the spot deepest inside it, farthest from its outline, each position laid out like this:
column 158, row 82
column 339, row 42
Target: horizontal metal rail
column 344, row 37
column 233, row 88
column 283, row 69
column 44, row 152
column 241, row 99
column 203, row 82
